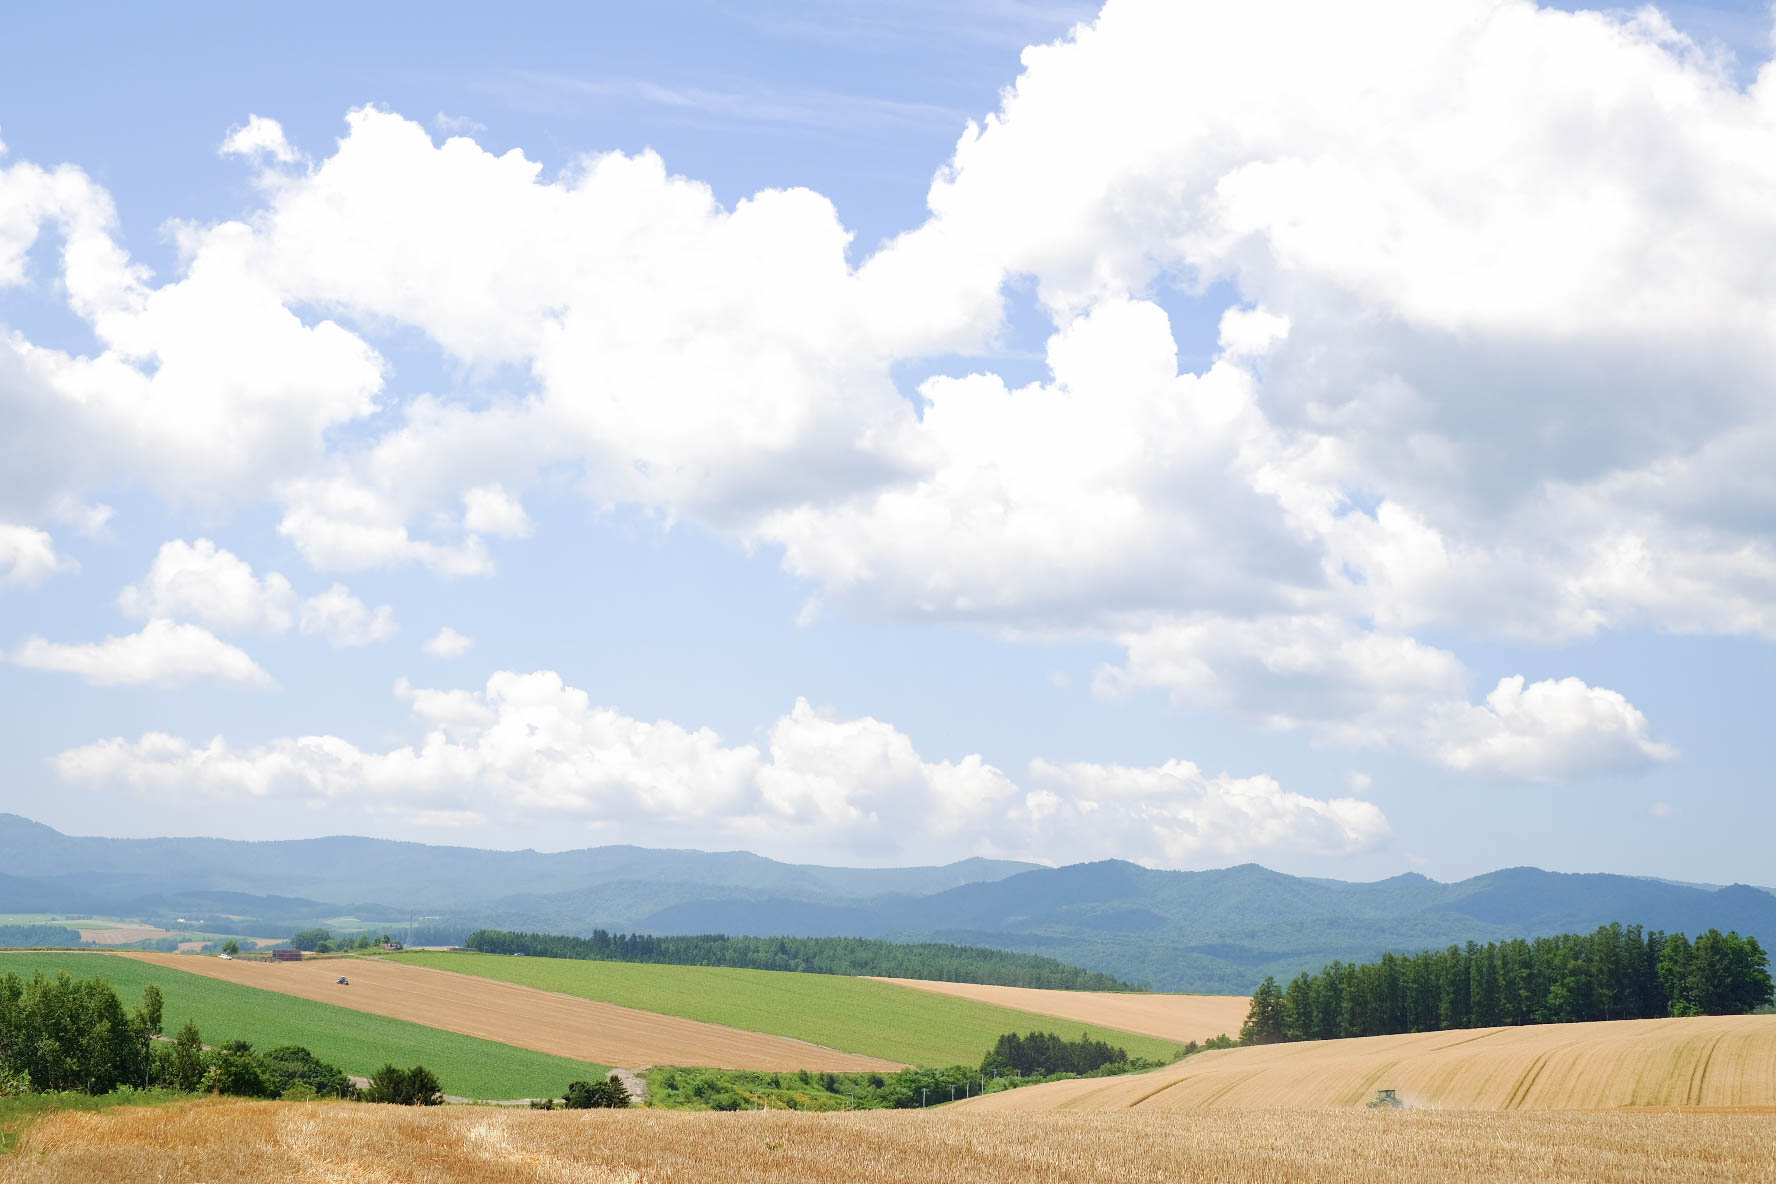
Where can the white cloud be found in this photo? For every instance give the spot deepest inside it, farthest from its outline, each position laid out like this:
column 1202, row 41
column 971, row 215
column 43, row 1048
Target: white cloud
column 1358, row 782
column 1485, row 375
column 1551, row 730
column 1176, row 816
column 448, row 643
column 259, row 137
column 1664, row 810
column 201, row 581
column 28, row 557
column 162, row 654
column 1352, row 688
column 531, row 745
column 489, row 509
column 346, row 620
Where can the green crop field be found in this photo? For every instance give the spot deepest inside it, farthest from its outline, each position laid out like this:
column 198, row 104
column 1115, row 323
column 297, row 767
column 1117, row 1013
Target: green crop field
column 851, row 1014
column 356, row 1041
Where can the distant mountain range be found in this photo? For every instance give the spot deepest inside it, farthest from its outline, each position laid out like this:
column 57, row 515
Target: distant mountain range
column 1220, row 930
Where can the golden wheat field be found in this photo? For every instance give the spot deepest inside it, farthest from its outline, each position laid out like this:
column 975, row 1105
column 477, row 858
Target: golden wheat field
column 313, row 1142
column 1170, row 1017
column 562, row 1025
column 1724, row 1061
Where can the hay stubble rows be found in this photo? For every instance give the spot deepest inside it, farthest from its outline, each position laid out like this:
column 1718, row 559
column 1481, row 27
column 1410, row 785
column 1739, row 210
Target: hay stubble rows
column 393, row 1145
column 1711, row 1061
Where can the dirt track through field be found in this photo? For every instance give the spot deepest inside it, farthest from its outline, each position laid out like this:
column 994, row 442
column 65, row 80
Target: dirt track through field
column 1706, row 1062
column 544, row 1021
column 1169, row 1017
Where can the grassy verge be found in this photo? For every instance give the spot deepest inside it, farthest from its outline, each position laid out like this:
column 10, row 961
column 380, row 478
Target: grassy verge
column 356, row 1041
column 851, row 1014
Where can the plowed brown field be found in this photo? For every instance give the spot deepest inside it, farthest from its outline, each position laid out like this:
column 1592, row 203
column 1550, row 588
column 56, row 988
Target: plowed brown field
column 523, row 1016
column 1170, row 1017
column 1713, row 1061
column 307, row 1143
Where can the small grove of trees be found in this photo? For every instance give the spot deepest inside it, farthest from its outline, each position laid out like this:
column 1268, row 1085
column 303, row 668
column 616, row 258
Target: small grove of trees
column 609, row 1094
column 808, row 955
column 1042, row 1053
column 74, row 1034
column 1615, row 973
column 404, row 1087
column 322, row 941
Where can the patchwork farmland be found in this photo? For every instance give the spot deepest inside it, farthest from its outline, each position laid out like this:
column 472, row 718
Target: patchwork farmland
column 357, row 1042
column 859, row 1015
column 556, row 1024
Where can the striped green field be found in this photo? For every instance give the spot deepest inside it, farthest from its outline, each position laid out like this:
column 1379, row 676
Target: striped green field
column 356, row 1041
column 852, row 1014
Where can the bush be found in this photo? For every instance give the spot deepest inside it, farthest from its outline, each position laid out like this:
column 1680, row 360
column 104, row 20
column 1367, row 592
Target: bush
column 232, row 1069
column 299, row 1091
column 14, row 1083
column 291, row 1064
column 404, row 1087
column 606, row 1094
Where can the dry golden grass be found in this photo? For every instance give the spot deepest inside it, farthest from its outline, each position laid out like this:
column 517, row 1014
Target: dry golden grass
column 1718, row 1061
column 1169, row 1017
column 313, row 1142
column 561, row 1025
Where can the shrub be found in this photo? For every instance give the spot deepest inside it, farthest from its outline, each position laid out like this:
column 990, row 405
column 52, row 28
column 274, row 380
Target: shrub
column 288, row 1064
column 299, row 1091
column 417, row 1086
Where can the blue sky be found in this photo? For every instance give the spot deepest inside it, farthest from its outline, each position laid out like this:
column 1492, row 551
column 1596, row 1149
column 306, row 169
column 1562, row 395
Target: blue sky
column 1389, row 365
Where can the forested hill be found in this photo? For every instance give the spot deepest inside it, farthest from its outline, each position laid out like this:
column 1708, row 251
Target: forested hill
column 1221, row 930
column 808, row 955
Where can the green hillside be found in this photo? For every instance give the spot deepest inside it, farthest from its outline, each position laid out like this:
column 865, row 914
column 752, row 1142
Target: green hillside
column 356, row 1041
column 853, row 1014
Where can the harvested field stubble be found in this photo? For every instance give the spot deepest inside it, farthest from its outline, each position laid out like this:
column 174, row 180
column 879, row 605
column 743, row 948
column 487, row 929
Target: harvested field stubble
column 1171, row 1017
column 1723, row 1061
column 342, row 1141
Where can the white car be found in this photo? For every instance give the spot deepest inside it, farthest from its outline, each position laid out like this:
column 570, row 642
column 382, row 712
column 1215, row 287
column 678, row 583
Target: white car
column 226, row 957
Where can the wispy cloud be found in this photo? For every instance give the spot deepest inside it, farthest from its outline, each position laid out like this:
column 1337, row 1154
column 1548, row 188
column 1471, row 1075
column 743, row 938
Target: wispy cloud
column 790, row 106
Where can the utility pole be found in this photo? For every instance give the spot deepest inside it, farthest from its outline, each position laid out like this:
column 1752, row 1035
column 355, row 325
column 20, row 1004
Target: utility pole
column 924, row 1098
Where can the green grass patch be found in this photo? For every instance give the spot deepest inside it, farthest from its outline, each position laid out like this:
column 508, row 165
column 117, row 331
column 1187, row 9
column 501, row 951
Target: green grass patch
column 18, row 1113
column 356, row 1041
column 857, row 1015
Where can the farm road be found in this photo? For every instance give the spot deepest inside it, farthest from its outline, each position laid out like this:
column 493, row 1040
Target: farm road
column 544, row 1021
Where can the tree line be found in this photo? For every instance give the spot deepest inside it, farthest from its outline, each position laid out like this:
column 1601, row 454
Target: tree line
column 808, row 955
column 1619, row 972
column 36, row 936
column 1042, row 1053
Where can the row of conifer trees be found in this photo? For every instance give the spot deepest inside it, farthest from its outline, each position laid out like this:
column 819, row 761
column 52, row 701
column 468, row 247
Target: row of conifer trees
column 1618, row 972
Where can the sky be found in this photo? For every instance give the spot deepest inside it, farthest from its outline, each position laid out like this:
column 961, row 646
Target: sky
column 1333, row 437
